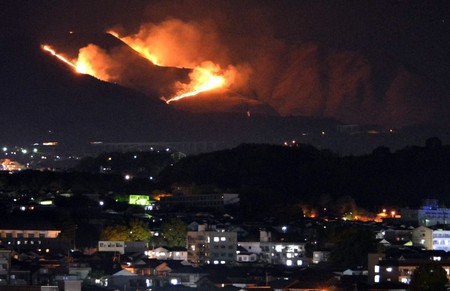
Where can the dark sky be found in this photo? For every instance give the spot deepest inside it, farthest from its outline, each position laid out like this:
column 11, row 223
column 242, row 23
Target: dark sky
column 415, row 35
column 416, row 31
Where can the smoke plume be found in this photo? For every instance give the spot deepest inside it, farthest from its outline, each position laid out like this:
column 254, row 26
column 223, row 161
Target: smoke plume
column 291, row 55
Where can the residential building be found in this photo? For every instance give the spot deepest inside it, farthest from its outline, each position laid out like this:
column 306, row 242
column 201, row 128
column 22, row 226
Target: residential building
column 276, row 252
column 211, row 245
column 398, row 265
column 31, row 233
column 432, row 238
column 168, row 253
column 428, row 215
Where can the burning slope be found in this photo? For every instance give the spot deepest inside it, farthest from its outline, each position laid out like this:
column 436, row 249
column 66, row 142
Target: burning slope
column 159, row 75
column 303, row 78
column 179, row 44
column 109, row 59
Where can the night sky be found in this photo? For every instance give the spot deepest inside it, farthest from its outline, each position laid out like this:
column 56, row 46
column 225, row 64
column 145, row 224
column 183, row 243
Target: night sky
column 368, row 62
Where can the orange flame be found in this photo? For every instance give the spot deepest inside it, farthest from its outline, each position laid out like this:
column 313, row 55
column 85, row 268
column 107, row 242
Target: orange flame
column 53, row 52
column 205, row 77
column 162, row 50
column 202, row 79
column 83, row 64
column 138, row 46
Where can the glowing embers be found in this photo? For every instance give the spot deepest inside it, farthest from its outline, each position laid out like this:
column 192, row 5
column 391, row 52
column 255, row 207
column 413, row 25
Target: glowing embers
column 80, row 66
column 202, row 79
column 47, row 48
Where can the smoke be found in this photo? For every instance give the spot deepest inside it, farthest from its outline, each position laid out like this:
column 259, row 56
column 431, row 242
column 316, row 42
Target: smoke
column 188, row 44
column 291, row 55
column 179, row 44
column 95, row 61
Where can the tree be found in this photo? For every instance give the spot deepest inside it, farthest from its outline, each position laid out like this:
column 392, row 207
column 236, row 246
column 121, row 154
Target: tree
column 139, row 230
column 351, row 246
column 118, row 232
column 429, row 277
column 136, row 230
column 174, row 232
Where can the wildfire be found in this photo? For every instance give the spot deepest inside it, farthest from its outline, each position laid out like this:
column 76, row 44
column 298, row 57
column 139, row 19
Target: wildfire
column 138, row 46
column 79, row 65
column 204, row 77
column 53, row 52
column 162, row 50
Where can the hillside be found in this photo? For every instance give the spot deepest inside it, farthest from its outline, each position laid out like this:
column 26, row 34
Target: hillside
column 277, row 179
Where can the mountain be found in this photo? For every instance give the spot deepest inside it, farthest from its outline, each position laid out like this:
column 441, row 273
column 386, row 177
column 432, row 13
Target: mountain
column 44, row 99
column 302, row 78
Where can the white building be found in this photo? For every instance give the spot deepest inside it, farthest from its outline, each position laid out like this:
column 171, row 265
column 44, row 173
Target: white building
column 431, row 239
column 428, row 215
column 279, row 253
column 210, row 245
column 168, row 253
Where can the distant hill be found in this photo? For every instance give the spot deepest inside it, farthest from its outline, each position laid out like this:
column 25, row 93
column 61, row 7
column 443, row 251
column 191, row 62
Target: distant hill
column 277, row 180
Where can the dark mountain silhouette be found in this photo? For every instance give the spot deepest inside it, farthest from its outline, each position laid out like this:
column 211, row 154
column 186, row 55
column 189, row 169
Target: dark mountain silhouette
column 121, row 63
column 44, row 99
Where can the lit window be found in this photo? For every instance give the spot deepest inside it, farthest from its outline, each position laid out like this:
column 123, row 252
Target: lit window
column 216, row 262
column 377, row 269
column 389, row 269
column 376, row 279
column 216, row 239
column 223, row 238
column 288, row 262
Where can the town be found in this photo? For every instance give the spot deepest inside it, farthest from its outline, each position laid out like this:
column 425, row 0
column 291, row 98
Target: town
column 132, row 221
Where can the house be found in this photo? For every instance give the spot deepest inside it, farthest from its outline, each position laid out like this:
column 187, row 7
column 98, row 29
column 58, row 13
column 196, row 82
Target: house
column 313, row 280
column 243, row 256
column 125, row 280
column 168, row 253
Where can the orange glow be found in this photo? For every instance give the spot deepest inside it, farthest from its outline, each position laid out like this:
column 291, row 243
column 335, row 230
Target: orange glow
column 11, row 166
column 91, row 60
column 202, row 79
column 172, row 43
column 60, row 57
column 384, row 214
column 138, row 46
column 162, row 50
